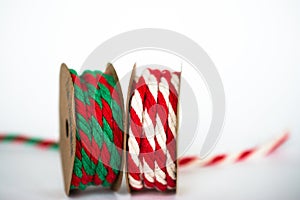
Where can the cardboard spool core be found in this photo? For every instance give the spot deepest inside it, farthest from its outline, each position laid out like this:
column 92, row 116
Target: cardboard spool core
column 67, row 121
column 127, row 121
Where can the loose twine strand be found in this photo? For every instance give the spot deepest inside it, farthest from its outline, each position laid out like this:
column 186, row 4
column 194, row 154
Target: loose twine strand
column 186, row 161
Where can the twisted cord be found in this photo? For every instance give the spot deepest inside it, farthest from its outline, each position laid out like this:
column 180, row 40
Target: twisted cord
column 99, row 132
column 152, row 131
column 135, row 134
column 32, row 141
column 244, row 155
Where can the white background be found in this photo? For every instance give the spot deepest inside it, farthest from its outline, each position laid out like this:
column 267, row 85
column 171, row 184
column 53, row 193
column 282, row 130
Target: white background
column 255, row 46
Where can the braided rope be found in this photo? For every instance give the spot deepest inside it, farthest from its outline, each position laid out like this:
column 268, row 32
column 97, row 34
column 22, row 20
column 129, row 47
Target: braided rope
column 99, row 135
column 152, row 131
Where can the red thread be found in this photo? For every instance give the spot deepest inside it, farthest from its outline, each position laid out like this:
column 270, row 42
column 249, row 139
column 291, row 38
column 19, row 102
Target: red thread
column 244, row 155
column 216, row 160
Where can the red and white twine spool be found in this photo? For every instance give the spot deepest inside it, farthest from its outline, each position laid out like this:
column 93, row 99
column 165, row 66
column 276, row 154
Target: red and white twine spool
column 151, row 159
column 153, row 131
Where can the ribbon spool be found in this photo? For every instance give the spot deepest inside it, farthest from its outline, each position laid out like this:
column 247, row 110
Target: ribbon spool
column 152, row 126
column 69, row 141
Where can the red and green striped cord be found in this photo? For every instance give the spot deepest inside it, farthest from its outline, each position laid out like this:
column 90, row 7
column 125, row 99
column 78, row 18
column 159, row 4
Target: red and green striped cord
column 33, row 141
column 99, row 133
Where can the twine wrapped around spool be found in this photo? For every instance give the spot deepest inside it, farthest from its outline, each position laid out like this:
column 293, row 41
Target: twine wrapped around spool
column 91, row 128
column 152, row 125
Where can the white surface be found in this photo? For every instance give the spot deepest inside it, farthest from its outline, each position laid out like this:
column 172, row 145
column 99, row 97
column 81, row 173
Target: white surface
column 254, row 44
column 36, row 174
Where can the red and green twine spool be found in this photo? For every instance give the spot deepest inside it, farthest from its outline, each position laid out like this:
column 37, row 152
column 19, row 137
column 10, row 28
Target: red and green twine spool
column 99, row 130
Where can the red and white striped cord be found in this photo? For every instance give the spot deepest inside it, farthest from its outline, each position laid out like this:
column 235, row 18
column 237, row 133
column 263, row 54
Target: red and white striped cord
column 244, row 155
column 152, row 132
column 151, row 160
